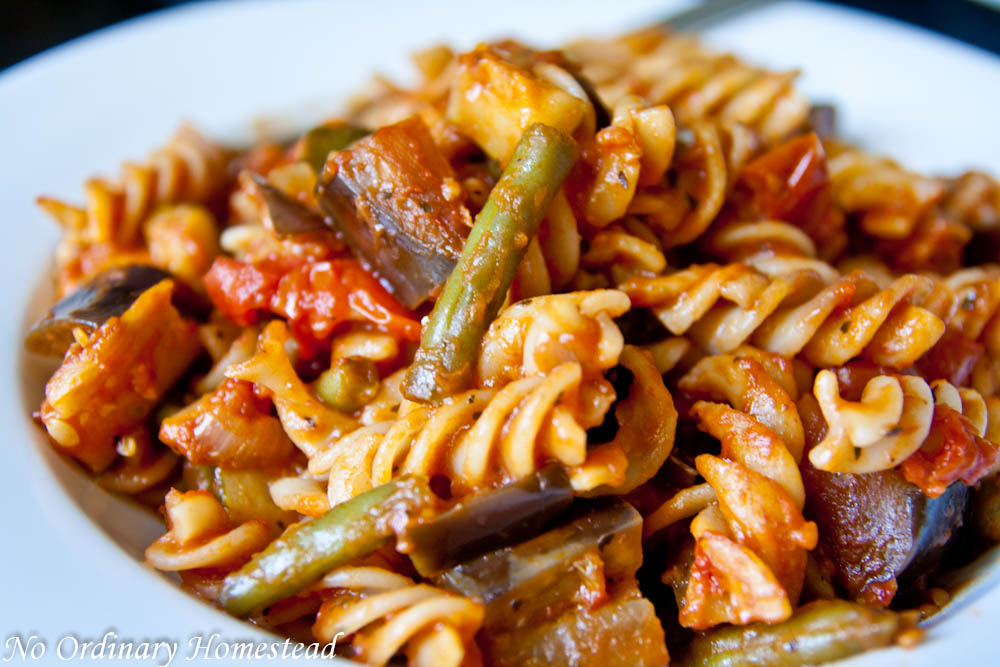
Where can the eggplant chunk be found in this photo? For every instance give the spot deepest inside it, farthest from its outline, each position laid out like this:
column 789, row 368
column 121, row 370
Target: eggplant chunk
column 284, row 214
column 986, row 515
column 879, row 528
column 489, row 520
column 395, row 198
column 107, row 295
column 622, row 632
column 535, row 580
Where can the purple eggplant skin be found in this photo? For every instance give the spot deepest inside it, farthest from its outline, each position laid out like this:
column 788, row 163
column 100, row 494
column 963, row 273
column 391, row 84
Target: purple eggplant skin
column 823, row 121
column 285, row 215
column 881, row 531
column 489, row 520
column 109, row 294
column 394, row 197
column 543, row 576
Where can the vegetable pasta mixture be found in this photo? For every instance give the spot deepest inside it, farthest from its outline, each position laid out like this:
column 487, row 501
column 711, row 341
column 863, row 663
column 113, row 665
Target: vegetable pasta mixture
column 603, row 356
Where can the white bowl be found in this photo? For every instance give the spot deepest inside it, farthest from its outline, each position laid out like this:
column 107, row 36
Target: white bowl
column 73, row 558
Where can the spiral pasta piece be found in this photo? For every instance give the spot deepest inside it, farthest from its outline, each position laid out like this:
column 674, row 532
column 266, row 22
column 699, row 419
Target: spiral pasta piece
column 619, row 251
column 721, row 307
column 766, row 394
column 636, row 147
column 309, row 423
column 482, row 437
column 201, row 535
column 974, row 200
column 534, row 336
column 889, row 423
column 381, row 613
column 680, row 211
column 697, row 83
column 189, row 168
column 888, row 199
column 751, row 537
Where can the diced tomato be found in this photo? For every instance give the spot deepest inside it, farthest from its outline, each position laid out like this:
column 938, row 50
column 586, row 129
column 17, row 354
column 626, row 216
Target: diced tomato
column 239, row 290
column 953, row 451
column 791, row 183
column 317, row 297
column 314, row 297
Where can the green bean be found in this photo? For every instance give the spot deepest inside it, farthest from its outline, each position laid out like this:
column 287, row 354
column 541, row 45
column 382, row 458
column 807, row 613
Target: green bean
column 348, row 384
column 818, row 632
column 319, row 141
column 476, row 289
column 308, row 550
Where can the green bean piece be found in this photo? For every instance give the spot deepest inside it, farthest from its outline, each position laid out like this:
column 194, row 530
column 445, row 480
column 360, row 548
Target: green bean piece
column 319, row 141
column 476, row 289
column 309, row 549
column 818, row 632
column 348, row 384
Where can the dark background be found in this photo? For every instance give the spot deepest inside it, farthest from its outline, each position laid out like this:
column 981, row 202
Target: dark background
column 31, row 26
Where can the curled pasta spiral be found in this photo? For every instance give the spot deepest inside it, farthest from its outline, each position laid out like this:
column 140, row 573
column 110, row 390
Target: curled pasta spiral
column 189, row 168
column 761, row 387
column 888, row 199
column 532, row 337
column 721, row 307
column 974, row 199
column 200, row 534
column 553, row 256
column 890, row 422
column 937, row 433
column 751, row 537
column 381, row 612
column 619, row 251
column 681, row 207
column 695, row 82
column 635, row 148
column 309, row 423
column 501, row 435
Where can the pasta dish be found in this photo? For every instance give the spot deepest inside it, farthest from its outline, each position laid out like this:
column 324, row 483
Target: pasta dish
column 612, row 355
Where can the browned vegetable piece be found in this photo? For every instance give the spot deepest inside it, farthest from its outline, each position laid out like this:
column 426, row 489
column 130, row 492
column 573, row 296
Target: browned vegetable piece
column 622, row 632
column 878, row 528
column 823, row 121
column 106, row 386
column 108, row 294
column 531, row 582
column 395, row 198
column 284, row 214
column 489, row 520
column 229, row 428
